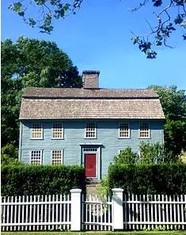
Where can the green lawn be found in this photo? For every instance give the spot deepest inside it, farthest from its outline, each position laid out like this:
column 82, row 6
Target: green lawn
column 103, row 233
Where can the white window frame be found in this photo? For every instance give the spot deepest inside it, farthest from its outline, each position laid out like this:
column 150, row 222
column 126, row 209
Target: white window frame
column 124, row 131
column 120, row 150
column 53, row 157
column 39, row 160
column 57, row 128
column 90, row 130
column 37, row 128
column 144, row 130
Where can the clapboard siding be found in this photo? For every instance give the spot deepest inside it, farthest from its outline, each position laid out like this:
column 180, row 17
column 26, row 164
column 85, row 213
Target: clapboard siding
column 74, row 133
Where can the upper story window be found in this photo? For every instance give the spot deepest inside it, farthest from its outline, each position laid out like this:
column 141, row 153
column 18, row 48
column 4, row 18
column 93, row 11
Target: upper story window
column 57, row 131
column 124, row 130
column 36, row 157
column 144, row 131
column 90, row 130
column 37, row 131
column 57, row 157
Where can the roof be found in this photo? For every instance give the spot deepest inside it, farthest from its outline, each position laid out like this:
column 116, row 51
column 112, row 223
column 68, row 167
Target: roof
column 87, row 93
column 80, row 103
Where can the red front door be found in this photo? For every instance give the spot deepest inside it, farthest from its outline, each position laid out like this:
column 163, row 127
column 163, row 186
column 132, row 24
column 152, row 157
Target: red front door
column 90, row 165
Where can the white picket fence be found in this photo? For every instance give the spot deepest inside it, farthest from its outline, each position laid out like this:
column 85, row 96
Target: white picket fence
column 35, row 213
column 154, row 212
column 77, row 212
column 96, row 213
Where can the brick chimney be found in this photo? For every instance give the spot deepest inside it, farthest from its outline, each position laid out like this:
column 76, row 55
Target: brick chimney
column 90, row 79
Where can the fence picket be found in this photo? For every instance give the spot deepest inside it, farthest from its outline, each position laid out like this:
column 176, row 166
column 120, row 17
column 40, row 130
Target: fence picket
column 152, row 211
column 183, row 209
column 47, row 212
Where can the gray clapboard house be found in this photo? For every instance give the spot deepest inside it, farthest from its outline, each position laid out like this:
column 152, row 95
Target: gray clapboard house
column 86, row 126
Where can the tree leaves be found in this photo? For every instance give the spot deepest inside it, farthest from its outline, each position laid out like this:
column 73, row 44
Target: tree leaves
column 166, row 20
column 174, row 107
column 47, row 11
column 30, row 62
column 166, row 24
column 144, row 47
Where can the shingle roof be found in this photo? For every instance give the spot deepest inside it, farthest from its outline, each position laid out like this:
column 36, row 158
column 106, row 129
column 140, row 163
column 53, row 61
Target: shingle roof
column 74, row 103
column 87, row 93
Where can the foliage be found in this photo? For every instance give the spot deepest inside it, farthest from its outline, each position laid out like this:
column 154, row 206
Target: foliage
column 102, row 188
column 126, row 156
column 40, row 180
column 30, row 62
column 155, row 154
column 169, row 16
column 173, row 102
column 148, row 178
column 48, row 11
column 9, row 155
column 149, row 153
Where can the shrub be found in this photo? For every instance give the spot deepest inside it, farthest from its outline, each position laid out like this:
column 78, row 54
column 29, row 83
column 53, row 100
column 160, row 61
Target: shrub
column 126, row 156
column 148, row 179
column 155, row 154
column 40, row 180
column 9, row 155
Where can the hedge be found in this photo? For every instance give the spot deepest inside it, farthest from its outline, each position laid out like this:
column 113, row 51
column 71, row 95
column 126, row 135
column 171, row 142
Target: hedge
column 41, row 180
column 148, row 179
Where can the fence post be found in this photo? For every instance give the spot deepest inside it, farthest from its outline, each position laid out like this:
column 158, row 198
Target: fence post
column 75, row 209
column 117, row 200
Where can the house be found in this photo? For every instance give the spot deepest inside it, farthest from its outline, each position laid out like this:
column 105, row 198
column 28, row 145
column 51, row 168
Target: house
column 86, row 126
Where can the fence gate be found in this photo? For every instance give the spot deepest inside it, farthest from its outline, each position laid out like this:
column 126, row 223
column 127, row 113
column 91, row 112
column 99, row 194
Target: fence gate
column 96, row 214
column 77, row 212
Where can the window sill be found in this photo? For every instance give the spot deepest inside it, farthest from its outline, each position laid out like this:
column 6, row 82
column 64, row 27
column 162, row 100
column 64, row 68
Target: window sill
column 90, row 138
column 124, row 137
column 57, row 138
column 36, row 138
column 144, row 137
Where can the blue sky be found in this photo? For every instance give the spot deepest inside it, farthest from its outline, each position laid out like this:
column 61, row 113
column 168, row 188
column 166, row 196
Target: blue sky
column 98, row 37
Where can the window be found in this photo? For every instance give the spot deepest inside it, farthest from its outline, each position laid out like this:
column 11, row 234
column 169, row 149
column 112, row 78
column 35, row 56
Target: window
column 89, row 149
column 124, row 131
column 120, row 151
column 36, row 157
column 37, row 132
column 57, row 157
column 57, row 132
column 90, row 131
column 144, row 131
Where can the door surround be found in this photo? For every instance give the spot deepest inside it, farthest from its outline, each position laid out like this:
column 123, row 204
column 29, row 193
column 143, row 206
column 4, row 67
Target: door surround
column 92, row 149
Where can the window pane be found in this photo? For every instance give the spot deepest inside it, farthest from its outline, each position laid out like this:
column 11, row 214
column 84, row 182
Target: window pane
column 144, row 130
column 57, row 157
column 124, row 130
column 57, row 131
column 36, row 131
column 36, row 157
column 90, row 130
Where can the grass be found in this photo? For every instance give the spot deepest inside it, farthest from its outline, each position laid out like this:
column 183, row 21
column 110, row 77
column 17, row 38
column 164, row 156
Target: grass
column 179, row 232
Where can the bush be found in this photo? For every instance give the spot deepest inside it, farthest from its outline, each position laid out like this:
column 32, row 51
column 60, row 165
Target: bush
column 40, row 180
column 126, row 156
column 155, row 154
column 9, row 155
column 148, row 179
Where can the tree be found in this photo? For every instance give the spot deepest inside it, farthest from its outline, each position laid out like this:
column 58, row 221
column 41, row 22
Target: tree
column 169, row 15
column 30, row 62
column 174, row 107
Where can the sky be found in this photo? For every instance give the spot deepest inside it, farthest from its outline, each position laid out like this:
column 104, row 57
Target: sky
column 98, row 37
